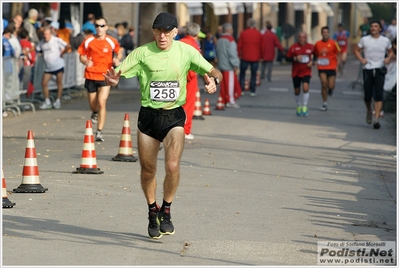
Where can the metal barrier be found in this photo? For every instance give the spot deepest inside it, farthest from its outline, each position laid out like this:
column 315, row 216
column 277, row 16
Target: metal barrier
column 11, row 87
column 69, row 78
column 80, row 72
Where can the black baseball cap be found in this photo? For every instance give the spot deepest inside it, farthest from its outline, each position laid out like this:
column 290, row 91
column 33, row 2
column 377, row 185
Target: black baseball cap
column 165, row 21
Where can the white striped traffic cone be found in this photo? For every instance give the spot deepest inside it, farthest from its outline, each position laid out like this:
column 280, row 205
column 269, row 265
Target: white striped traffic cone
column 246, row 84
column 89, row 163
column 6, row 202
column 198, row 109
column 30, row 173
column 258, row 81
column 219, row 104
column 207, row 108
column 125, row 153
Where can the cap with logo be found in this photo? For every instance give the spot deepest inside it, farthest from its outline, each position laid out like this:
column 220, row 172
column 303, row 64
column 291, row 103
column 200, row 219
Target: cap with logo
column 165, row 21
column 89, row 26
column 201, row 35
column 55, row 25
column 68, row 25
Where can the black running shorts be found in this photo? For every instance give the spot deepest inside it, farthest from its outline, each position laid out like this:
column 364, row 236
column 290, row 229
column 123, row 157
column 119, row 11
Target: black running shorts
column 297, row 80
column 328, row 72
column 55, row 72
column 156, row 123
column 93, row 85
column 373, row 83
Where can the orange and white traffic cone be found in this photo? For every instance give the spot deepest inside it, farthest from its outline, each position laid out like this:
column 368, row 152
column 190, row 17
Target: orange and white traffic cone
column 6, row 202
column 30, row 172
column 258, row 81
column 125, row 153
column 198, row 109
column 246, row 84
column 89, row 163
column 219, row 104
column 207, row 108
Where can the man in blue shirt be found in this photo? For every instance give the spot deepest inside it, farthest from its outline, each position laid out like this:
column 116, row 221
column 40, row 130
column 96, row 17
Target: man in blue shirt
column 90, row 23
column 8, row 51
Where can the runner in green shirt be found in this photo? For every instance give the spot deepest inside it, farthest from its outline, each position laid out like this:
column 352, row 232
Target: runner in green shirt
column 364, row 29
column 163, row 73
column 162, row 67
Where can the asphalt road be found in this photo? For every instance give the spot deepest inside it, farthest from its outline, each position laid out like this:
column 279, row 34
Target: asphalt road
column 259, row 185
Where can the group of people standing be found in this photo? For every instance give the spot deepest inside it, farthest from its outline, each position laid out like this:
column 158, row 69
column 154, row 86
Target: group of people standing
column 99, row 48
column 34, row 36
column 234, row 58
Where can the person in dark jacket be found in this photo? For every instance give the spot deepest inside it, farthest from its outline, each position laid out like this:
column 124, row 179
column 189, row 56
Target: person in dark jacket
column 269, row 44
column 125, row 39
column 87, row 30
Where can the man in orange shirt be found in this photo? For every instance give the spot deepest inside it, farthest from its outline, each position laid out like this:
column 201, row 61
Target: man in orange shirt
column 326, row 52
column 96, row 52
column 65, row 34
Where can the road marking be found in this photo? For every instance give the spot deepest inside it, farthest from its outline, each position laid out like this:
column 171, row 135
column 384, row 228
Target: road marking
column 282, row 89
column 354, row 93
column 315, row 91
column 278, row 89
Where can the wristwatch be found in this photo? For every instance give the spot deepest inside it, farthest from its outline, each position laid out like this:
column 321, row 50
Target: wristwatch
column 216, row 80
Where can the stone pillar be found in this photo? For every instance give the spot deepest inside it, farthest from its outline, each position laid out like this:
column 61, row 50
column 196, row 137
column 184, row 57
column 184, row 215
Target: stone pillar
column 16, row 8
column 148, row 12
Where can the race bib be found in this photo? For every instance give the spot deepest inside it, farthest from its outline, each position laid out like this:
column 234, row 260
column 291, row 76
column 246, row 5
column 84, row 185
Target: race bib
column 323, row 62
column 164, row 91
column 304, row 59
column 342, row 42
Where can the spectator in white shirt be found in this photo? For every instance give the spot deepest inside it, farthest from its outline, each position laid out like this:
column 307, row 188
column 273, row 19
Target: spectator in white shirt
column 52, row 49
column 391, row 30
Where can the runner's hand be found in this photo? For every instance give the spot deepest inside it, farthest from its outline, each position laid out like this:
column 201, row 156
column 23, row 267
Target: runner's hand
column 111, row 77
column 115, row 62
column 89, row 63
column 210, row 85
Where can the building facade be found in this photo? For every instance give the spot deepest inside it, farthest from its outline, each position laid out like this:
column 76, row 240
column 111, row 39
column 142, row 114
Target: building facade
column 289, row 17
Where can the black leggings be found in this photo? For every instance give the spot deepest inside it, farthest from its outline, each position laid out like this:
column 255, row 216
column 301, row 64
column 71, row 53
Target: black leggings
column 373, row 83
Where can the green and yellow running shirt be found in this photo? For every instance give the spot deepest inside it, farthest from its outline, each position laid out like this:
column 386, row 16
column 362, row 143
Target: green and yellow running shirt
column 163, row 74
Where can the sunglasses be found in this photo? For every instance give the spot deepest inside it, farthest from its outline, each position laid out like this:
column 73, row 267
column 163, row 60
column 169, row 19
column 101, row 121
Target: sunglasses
column 100, row 25
column 158, row 31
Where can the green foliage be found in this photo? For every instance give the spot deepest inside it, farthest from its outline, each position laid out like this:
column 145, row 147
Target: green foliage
column 385, row 11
